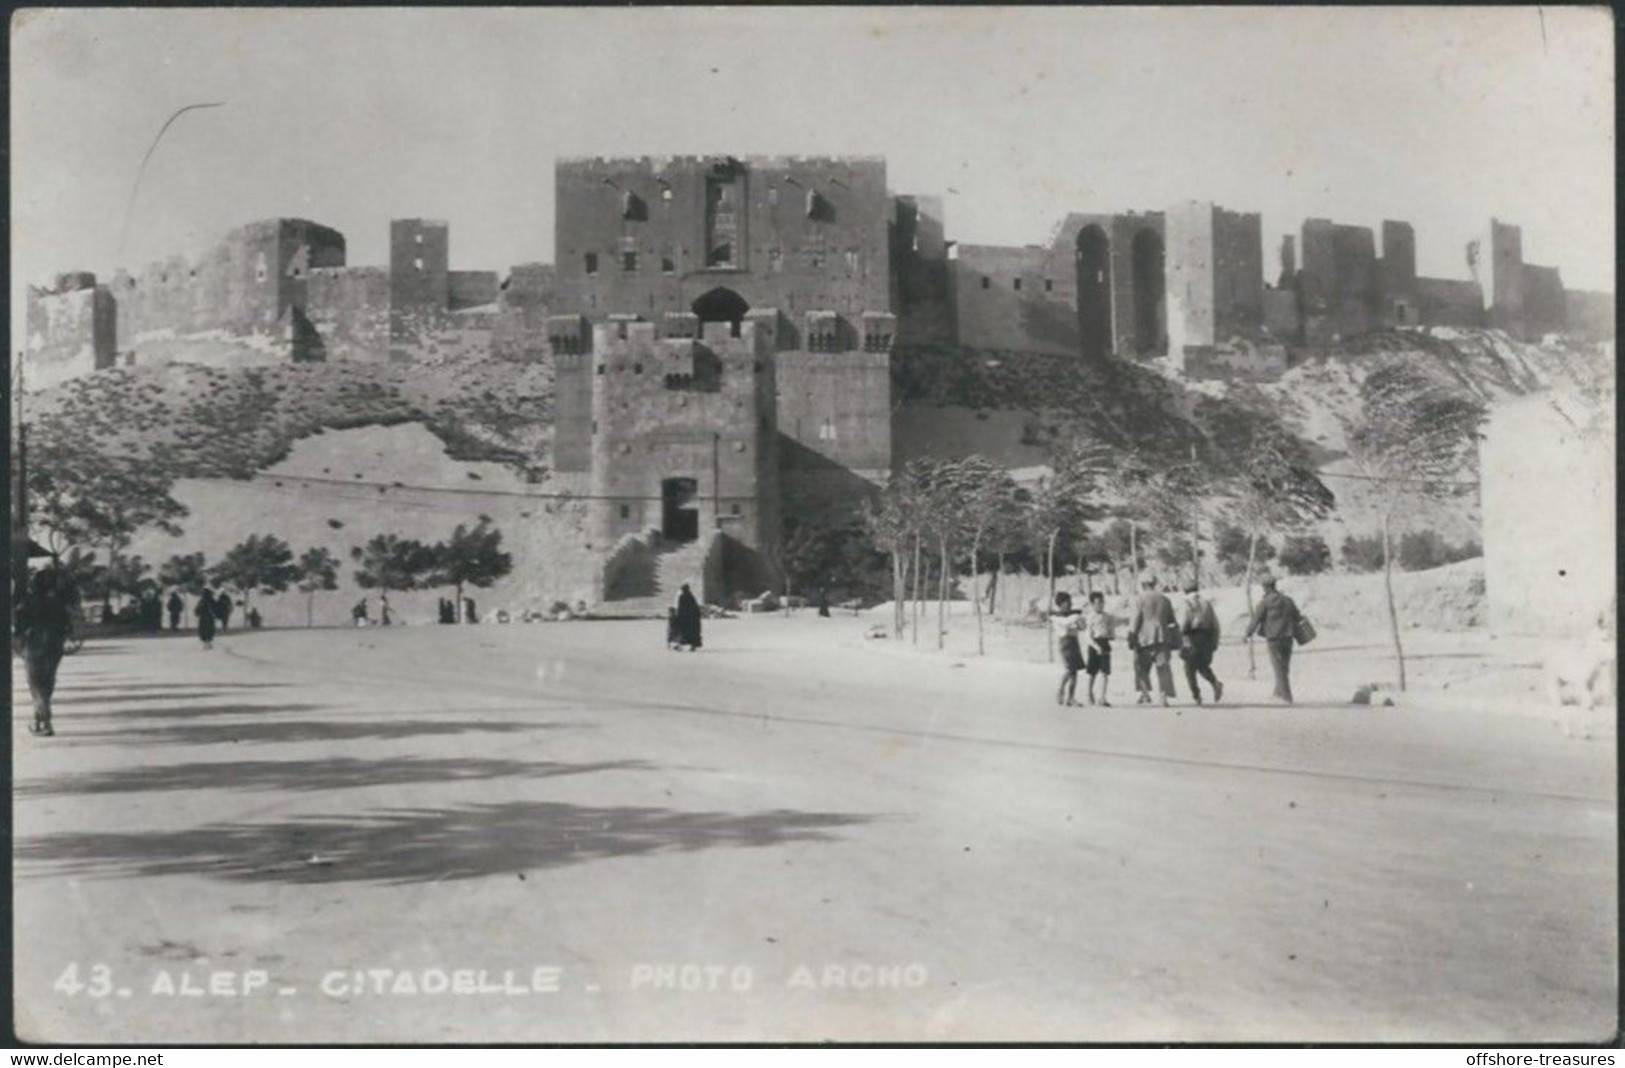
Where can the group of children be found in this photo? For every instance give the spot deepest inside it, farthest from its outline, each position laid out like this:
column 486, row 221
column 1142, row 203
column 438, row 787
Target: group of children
column 1072, row 628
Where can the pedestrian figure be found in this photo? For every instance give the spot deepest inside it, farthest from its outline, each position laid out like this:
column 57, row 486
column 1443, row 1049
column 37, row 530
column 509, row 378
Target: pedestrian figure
column 1276, row 621
column 42, row 632
column 383, row 609
column 176, row 606
column 823, row 602
column 206, row 613
column 1097, row 628
column 255, row 620
column 469, row 615
column 222, row 609
column 1201, row 629
column 448, row 613
column 688, row 618
column 358, row 614
column 1064, row 622
column 1153, row 635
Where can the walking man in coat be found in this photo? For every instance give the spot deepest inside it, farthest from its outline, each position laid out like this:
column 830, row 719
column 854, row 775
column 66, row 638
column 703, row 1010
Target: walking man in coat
column 222, row 610
column 1153, row 634
column 1276, row 620
column 1201, row 629
column 42, row 632
column 176, row 606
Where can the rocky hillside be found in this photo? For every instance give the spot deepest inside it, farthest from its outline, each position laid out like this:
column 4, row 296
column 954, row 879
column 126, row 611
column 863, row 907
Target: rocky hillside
column 197, row 421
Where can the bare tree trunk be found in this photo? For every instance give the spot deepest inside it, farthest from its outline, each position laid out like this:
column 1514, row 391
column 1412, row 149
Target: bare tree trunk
column 1049, row 606
column 310, row 608
column 898, row 587
column 1134, row 551
column 1388, row 587
column 1247, row 584
column 993, row 587
column 942, row 590
column 916, row 589
column 976, row 592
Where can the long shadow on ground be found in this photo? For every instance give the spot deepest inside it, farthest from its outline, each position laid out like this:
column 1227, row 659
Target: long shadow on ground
column 298, row 776
column 275, row 731
column 397, row 846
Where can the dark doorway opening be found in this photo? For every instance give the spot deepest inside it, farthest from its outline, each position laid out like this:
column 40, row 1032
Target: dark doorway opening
column 1149, row 288
column 680, row 509
column 721, row 305
column 1094, row 293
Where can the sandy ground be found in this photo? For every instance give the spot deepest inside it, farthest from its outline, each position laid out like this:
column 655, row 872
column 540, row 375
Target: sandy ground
column 797, row 834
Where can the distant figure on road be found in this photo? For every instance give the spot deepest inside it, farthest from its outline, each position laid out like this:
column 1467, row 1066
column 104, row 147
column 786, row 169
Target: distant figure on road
column 42, row 631
column 823, row 601
column 688, row 619
column 1064, row 622
column 255, row 620
column 1201, row 629
column 448, row 611
column 469, row 615
column 383, row 609
column 206, row 613
column 176, row 606
column 1153, row 635
column 1097, row 627
column 222, row 609
column 358, row 613
column 1276, row 620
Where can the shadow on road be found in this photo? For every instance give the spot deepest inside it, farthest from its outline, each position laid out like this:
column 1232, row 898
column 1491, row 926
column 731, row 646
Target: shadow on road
column 274, row 731
column 297, row 776
column 421, row 845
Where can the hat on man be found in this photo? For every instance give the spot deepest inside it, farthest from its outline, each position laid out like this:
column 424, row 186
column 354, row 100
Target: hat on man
column 1267, row 580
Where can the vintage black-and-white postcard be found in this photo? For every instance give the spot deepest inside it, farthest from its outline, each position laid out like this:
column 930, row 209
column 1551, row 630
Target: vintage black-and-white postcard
column 646, row 525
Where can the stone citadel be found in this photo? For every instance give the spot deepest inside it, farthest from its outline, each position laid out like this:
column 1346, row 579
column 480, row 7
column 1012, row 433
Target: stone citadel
column 721, row 329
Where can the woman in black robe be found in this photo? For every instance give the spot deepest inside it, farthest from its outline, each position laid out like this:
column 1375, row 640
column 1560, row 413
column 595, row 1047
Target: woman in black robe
column 688, row 618
column 205, row 619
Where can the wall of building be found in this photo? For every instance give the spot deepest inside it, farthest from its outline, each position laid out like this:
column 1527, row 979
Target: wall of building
column 922, row 288
column 1591, row 314
column 808, row 233
column 1449, row 302
column 524, row 301
column 1545, row 306
column 471, row 289
column 1549, row 515
column 833, row 413
column 1009, row 299
column 1396, row 275
column 70, row 331
column 348, row 307
column 683, row 409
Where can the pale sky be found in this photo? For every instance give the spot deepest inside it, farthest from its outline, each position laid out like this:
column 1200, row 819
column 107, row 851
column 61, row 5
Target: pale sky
column 1439, row 116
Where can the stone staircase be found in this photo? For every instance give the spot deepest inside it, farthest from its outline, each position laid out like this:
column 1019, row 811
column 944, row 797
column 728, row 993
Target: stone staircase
column 675, row 564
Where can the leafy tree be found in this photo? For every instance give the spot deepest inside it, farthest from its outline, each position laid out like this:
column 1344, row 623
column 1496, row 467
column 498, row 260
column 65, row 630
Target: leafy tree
column 390, row 562
column 1416, row 438
column 1232, row 546
column 1306, row 554
column 78, row 495
column 318, row 570
column 259, row 563
column 985, row 496
column 1420, row 550
column 186, row 571
column 127, row 576
column 472, row 556
column 886, row 521
column 1062, row 503
column 937, row 491
column 1362, row 554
